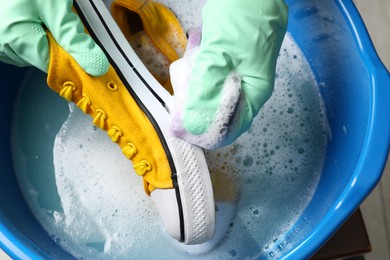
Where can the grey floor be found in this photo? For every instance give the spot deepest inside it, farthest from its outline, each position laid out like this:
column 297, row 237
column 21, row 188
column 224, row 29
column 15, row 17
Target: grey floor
column 376, row 208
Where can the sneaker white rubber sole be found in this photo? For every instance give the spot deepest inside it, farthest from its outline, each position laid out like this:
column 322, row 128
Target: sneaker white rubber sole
column 188, row 210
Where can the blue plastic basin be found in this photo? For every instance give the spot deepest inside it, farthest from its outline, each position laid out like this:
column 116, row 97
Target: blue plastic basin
column 356, row 89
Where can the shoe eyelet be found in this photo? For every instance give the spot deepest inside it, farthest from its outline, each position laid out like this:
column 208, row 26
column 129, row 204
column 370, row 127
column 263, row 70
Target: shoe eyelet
column 84, row 103
column 115, row 133
column 100, row 118
column 111, row 85
column 129, row 150
column 69, row 84
column 142, row 167
column 68, row 87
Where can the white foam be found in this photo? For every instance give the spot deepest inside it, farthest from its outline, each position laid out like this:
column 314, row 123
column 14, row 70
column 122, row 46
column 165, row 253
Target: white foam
column 188, row 12
column 95, row 219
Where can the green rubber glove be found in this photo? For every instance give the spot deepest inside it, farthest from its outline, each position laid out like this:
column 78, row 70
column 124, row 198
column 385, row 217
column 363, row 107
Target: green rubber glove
column 221, row 85
column 23, row 40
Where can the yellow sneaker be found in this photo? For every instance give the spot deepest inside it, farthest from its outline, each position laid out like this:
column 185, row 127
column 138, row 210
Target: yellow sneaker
column 154, row 33
column 133, row 108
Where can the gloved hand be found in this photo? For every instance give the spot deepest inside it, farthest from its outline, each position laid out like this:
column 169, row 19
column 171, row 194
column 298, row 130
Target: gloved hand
column 23, row 40
column 221, row 85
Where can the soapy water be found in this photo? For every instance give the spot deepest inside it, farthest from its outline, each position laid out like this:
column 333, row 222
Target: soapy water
column 86, row 195
column 188, row 12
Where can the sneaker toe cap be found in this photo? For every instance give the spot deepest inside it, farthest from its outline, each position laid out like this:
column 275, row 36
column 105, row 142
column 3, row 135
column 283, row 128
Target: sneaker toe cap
column 166, row 203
